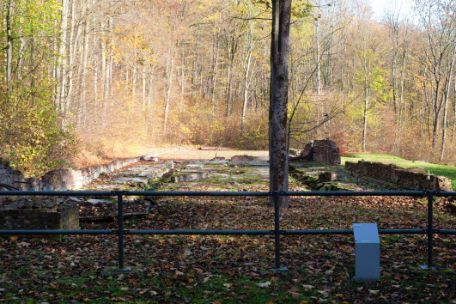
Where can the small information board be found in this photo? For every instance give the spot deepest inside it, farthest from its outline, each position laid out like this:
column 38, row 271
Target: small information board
column 367, row 251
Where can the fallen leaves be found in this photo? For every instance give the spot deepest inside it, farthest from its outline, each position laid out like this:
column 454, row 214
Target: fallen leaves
column 373, row 291
column 264, row 284
column 307, row 287
column 213, row 269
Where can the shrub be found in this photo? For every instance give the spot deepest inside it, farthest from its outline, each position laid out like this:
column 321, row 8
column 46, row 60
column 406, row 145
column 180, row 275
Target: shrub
column 30, row 135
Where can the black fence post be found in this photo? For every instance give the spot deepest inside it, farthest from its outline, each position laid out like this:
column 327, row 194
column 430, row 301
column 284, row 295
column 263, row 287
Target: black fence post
column 277, row 264
column 430, row 231
column 121, row 232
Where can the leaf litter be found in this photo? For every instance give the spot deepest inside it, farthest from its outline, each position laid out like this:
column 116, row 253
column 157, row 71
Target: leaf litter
column 235, row 269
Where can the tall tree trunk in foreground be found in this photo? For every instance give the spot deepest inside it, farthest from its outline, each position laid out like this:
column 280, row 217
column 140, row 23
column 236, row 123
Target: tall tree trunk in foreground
column 280, row 37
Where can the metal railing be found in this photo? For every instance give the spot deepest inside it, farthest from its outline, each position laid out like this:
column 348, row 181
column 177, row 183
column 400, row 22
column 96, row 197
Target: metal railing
column 429, row 231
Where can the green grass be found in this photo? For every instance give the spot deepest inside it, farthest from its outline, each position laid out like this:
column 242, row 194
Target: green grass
column 216, row 289
column 436, row 169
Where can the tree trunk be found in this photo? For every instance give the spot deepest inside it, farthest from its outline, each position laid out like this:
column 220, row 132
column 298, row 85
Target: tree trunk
column 215, row 59
column 144, row 100
column 32, row 66
column 365, row 110
column 229, row 89
column 63, row 55
column 133, row 82
column 20, row 59
column 182, row 80
column 445, row 106
column 280, row 36
column 55, row 63
column 436, row 113
column 82, row 104
column 402, row 90
column 108, row 71
column 9, row 48
column 150, row 96
column 444, row 121
column 246, row 76
column 454, row 112
column 104, row 67
column 399, row 104
column 169, row 76
column 317, row 57
column 95, row 63
column 329, row 66
column 73, row 48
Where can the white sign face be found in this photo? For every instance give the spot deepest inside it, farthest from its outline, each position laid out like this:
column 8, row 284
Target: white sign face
column 367, row 251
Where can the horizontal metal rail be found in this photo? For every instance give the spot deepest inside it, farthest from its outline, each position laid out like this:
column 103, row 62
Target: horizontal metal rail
column 446, row 231
column 412, row 193
column 202, row 232
column 135, row 193
column 215, row 232
column 121, row 231
column 57, row 232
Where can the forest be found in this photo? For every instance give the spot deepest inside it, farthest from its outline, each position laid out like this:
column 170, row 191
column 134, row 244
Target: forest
column 82, row 78
column 227, row 151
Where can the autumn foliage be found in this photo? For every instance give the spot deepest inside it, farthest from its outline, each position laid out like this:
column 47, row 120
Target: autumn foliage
column 147, row 73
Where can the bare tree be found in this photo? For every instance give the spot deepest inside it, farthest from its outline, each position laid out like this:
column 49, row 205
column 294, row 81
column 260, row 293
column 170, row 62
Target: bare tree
column 247, row 65
column 440, row 30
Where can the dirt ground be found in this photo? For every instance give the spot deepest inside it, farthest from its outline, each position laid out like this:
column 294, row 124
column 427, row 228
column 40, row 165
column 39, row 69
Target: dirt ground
column 205, row 153
column 86, row 159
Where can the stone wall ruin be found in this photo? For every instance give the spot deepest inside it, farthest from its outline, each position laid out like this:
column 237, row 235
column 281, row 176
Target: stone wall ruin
column 323, row 151
column 48, row 212
column 61, row 179
column 402, row 178
column 43, row 213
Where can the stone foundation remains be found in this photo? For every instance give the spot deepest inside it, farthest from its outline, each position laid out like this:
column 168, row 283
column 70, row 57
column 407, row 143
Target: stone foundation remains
column 402, row 178
column 323, row 151
column 42, row 213
column 51, row 212
column 61, row 179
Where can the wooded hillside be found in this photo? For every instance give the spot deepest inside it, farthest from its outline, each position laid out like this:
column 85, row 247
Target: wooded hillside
column 95, row 73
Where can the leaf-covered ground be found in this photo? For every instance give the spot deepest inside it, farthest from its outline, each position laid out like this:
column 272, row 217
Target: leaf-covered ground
column 232, row 269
